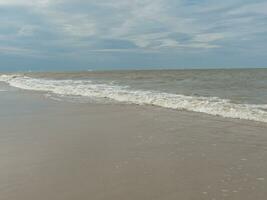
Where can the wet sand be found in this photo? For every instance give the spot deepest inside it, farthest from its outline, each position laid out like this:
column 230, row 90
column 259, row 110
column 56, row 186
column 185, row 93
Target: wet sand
column 65, row 151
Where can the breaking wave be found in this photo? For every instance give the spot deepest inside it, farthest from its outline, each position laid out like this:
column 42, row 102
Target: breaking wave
column 87, row 88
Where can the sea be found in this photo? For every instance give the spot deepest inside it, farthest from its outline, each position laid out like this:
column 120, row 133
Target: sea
column 229, row 93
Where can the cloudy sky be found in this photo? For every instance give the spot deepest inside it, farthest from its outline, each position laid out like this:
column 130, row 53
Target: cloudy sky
column 106, row 34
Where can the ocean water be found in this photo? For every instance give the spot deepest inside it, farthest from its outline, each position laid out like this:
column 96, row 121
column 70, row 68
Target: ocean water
column 228, row 93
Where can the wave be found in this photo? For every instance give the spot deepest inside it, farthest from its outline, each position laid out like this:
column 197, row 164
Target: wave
column 87, row 88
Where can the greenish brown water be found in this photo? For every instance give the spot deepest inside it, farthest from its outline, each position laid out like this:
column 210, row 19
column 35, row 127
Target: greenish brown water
column 240, row 93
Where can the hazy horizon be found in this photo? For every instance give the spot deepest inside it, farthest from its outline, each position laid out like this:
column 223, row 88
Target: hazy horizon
column 19, row 70
column 107, row 69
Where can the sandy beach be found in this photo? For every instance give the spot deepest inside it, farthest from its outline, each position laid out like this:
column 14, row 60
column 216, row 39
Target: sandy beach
column 61, row 150
column 133, row 100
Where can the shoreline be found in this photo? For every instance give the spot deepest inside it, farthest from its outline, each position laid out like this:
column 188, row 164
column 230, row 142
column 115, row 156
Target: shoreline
column 61, row 150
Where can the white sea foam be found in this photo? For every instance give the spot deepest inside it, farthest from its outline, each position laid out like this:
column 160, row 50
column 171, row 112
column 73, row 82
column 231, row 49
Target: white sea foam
column 209, row 105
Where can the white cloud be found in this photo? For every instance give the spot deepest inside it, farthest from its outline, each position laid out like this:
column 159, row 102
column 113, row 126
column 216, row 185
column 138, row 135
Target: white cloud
column 26, row 30
column 76, row 25
column 208, row 37
column 32, row 3
column 253, row 8
column 149, row 24
column 16, row 51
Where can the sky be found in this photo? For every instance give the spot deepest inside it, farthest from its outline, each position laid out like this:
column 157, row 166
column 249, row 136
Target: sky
column 132, row 34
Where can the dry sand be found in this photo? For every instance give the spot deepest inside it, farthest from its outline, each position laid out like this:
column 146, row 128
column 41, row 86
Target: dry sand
column 52, row 150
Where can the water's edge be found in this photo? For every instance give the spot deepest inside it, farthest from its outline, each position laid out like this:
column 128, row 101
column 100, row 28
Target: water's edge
column 87, row 88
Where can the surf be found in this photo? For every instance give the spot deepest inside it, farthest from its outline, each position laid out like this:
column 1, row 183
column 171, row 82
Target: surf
column 87, row 88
